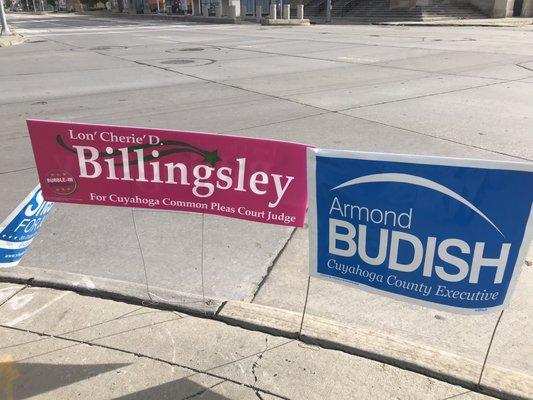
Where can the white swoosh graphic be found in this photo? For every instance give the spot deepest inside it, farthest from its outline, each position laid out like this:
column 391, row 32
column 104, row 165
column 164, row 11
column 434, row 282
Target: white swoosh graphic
column 416, row 180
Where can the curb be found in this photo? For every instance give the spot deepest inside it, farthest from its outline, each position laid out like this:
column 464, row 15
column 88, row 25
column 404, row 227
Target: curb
column 444, row 366
column 285, row 22
column 451, row 24
column 483, row 22
column 127, row 292
column 448, row 367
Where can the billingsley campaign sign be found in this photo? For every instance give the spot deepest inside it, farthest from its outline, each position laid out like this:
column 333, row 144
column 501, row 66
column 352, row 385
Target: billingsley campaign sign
column 21, row 226
column 240, row 177
column 447, row 233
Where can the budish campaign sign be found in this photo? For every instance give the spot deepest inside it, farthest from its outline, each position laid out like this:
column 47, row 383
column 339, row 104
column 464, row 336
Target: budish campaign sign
column 240, row 177
column 451, row 234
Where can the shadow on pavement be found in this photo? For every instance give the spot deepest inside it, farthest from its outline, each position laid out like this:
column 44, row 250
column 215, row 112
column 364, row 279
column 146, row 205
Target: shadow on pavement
column 31, row 379
column 37, row 378
column 180, row 389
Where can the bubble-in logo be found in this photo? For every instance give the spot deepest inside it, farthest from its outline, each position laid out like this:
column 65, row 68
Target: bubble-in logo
column 61, row 182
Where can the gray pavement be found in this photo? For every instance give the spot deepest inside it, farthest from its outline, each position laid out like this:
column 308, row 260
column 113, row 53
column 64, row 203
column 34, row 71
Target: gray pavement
column 467, row 336
column 60, row 345
column 449, row 91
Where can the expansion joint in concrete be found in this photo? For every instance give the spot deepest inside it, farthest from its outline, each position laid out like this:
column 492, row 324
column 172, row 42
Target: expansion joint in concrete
column 201, row 392
column 436, row 137
column 151, row 358
column 523, row 66
column 271, row 266
column 327, row 111
column 220, row 308
column 16, row 170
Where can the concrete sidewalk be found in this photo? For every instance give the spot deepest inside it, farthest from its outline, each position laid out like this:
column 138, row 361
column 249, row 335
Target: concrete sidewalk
column 458, row 92
column 447, row 335
column 61, row 345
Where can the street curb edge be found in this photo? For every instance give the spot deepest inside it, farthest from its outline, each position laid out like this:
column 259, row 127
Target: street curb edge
column 328, row 334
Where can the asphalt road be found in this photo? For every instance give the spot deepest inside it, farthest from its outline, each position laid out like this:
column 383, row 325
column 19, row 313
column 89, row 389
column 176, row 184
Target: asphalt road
column 448, row 91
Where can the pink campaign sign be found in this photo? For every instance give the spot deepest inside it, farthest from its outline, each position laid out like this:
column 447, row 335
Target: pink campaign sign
column 239, row 177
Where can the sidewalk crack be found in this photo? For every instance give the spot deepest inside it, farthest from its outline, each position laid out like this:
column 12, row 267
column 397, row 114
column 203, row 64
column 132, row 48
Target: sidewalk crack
column 272, row 265
column 196, row 371
column 259, row 357
column 523, row 66
column 192, row 396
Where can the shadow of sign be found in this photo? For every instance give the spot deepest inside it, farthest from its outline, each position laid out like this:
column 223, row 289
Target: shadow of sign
column 38, row 378
column 25, row 380
column 180, row 389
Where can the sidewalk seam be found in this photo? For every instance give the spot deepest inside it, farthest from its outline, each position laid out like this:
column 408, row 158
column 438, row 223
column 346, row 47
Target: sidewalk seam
column 205, row 389
column 422, row 96
column 105, row 294
column 281, row 331
column 220, row 308
column 271, row 266
column 434, row 136
column 325, row 110
column 523, row 66
column 140, row 355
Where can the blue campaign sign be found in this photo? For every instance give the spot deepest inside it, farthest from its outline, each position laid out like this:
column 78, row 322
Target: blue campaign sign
column 451, row 234
column 21, row 226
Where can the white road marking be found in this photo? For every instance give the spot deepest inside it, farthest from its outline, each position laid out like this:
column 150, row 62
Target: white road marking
column 110, row 30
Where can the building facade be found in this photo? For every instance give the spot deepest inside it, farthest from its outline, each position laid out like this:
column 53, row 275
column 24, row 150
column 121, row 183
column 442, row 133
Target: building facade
column 491, row 8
